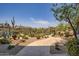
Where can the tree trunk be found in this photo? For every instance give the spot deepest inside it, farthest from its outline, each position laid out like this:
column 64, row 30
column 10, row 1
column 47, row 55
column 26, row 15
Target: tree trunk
column 74, row 31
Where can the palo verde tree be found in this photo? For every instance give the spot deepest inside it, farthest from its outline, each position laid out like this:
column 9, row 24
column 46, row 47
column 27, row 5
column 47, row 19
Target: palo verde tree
column 68, row 13
column 62, row 27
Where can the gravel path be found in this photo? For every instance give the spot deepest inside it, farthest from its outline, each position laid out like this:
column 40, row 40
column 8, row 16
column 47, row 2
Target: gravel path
column 47, row 42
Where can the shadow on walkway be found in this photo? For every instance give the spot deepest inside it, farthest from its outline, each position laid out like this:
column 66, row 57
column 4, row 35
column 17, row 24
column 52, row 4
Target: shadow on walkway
column 30, row 51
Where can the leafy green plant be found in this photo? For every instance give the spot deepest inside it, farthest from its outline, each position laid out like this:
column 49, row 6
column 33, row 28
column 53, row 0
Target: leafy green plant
column 32, row 35
column 11, row 46
column 72, row 48
column 4, row 41
column 66, row 12
column 46, row 36
column 26, row 37
column 66, row 34
column 53, row 34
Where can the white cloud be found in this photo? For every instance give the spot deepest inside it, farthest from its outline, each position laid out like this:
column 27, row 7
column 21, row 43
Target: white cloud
column 43, row 22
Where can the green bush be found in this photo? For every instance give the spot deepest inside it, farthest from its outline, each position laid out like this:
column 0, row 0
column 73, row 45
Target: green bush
column 4, row 41
column 32, row 35
column 46, row 36
column 72, row 48
column 54, row 33
column 11, row 46
column 14, row 37
column 38, row 37
column 67, row 34
column 26, row 38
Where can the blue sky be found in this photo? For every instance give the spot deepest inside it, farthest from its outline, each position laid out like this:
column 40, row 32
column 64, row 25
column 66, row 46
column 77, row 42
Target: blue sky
column 34, row 15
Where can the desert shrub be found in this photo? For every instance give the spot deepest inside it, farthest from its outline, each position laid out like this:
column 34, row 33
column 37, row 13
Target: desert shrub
column 43, row 36
column 32, row 35
column 72, row 48
column 53, row 35
column 11, row 46
column 67, row 34
column 23, row 40
column 18, row 36
column 14, row 37
column 38, row 37
column 26, row 38
column 46, row 36
column 4, row 41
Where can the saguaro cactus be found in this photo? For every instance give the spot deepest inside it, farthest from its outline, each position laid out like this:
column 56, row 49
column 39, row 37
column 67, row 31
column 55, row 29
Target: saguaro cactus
column 13, row 22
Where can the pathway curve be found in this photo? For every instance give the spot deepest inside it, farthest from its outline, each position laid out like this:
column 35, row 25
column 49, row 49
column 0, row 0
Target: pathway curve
column 40, row 47
column 46, row 42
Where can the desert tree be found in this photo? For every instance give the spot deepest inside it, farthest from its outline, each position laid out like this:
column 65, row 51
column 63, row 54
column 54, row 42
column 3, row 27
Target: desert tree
column 68, row 13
